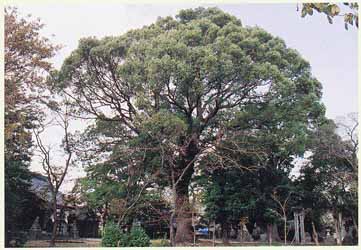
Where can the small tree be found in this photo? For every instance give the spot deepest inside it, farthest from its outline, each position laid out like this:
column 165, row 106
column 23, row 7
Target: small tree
column 56, row 173
column 283, row 203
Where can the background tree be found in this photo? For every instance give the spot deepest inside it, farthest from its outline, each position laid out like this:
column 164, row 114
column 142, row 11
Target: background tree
column 283, row 196
column 330, row 164
column 197, row 70
column 26, row 55
column 229, row 195
column 56, row 172
column 270, row 136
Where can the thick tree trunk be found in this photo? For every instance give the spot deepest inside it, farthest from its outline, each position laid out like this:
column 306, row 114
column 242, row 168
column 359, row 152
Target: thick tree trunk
column 184, row 172
column 184, row 218
column 275, row 234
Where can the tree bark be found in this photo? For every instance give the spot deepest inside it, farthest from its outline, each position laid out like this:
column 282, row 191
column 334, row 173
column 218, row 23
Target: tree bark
column 275, row 234
column 184, row 218
column 184, row 171
column 173, row 212
column 315, row 235
column 55, row 224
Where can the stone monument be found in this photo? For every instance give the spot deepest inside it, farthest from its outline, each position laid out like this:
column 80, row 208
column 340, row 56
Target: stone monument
column 74, row 231
column 35, row 230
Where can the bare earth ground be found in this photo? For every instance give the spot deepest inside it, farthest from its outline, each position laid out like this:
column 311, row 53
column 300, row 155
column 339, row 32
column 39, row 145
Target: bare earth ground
column 65, row 243
column 97, row 243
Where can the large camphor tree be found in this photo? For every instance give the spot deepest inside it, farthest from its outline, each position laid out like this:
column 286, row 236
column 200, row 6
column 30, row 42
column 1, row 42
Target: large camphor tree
column 184, row 78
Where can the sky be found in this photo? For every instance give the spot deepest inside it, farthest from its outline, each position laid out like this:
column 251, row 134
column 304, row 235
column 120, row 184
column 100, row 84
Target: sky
column 330, row 49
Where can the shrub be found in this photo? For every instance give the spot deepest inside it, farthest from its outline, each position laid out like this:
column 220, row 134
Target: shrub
column 113, row 236
column 138, row 237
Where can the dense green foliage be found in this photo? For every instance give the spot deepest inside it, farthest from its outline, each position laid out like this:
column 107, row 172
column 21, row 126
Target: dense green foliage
column 113, row 236
column 138, row 237
column 333, row 171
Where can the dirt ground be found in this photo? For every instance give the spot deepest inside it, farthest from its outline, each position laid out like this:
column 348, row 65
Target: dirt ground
column 97, row 243
column 65, row 243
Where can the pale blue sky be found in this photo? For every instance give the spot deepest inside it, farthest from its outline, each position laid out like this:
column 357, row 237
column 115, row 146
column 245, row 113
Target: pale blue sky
column 330, row 49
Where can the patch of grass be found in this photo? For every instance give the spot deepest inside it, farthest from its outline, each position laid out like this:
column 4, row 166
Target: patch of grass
column 160, row 243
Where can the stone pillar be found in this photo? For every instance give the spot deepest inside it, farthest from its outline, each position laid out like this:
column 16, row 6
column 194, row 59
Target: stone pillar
column 302, row 226
column 74, row 231
column 35, row 230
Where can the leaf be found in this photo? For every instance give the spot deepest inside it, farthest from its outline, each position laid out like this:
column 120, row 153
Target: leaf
column 335, row 10
column 304, row 12
column 329, row 19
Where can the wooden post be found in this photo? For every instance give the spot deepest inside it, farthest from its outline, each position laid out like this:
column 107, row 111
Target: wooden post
column 340, row 226
column 296, row 223
column 214, row 233
column 302, row 226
